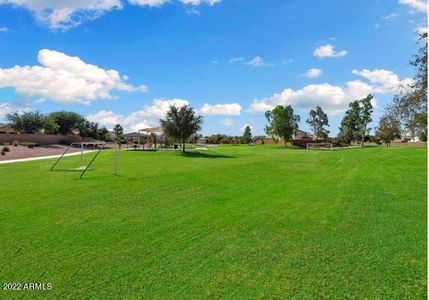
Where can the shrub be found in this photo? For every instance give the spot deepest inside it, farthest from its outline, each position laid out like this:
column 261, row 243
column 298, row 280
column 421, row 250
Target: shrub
column 3, row 153
column 30, row 145
column 5, row 149
column 64, row 142
column 15, row 143
column 36, row 144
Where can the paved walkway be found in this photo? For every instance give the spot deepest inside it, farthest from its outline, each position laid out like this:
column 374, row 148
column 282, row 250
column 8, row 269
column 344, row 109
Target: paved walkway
column 41, row 157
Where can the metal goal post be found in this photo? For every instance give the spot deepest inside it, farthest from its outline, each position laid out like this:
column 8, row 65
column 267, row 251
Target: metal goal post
column 83, row 168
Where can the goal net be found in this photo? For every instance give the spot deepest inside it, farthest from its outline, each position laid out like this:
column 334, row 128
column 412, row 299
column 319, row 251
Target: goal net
column 319, row 146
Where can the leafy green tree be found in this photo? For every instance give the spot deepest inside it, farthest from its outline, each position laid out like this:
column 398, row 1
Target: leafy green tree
column 365, row 116
column 102, row 134
column 388, row 129
column 282, row 122
column 247, row 135
column 180, row 123
column 67, row 121
column 410, row 102
column 50, row 126
column 27, row 122
column 118, row 131
column 354, row 125
column 422, row 121
column 317, row 121
column 88, row 129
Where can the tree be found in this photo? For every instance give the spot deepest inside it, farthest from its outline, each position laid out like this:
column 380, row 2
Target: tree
column 50, row 127
column 355, row 122
column 180, row 123
column 27, row 122
column 118, row 131
column 365, row 116
column 102, row 134
column 317, row 121
column 410, row 101
column 67, row 121
column 88, row 129
column 247, row 135
column 282, row 122
column 388, row 129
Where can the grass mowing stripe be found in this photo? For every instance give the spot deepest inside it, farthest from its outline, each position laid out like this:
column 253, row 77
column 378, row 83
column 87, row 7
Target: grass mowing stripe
column 231, row 222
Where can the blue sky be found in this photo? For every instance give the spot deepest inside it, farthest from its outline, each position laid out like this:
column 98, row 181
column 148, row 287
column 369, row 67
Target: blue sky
column 126, row 61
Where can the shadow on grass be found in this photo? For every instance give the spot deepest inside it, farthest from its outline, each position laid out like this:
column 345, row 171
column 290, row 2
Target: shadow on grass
column 204, row 155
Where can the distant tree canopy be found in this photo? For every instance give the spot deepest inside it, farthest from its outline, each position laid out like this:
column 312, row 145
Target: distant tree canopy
column 282, row 122
column 180, row 123
column 62, row 122
column 354, row 125
column 388, row 129
column 317, row 121
column 410, row 102
column 67, row 121
column 247, row 135
column 118, row 131
column 27, row 122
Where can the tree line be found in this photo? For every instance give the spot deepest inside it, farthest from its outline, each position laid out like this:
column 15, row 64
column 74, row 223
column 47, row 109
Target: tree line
column 59, row 122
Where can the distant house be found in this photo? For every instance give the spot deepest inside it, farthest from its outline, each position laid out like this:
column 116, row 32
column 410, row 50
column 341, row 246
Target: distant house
column 407, row 138
column 4, row 128
column 302, row 135
column 134, row 137
column 202, row 141
column 259, row 139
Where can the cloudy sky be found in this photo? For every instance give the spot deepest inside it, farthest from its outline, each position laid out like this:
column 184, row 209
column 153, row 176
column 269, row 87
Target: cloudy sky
column 126, row 61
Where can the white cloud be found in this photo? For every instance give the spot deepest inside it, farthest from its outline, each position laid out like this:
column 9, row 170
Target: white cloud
column 257, row 62
column 152, row 3
column 198, row 2
column 228, row 109
column 328, row 51
column 65, row 79
column 383, row 81
column 148, row 116
column 415, row 5
column 421, row 30
column 333, row 99
column 106, row 118
column 65, row 14
column 314, row 73
column 9, row 108
column 4, row 29
column 227, row 122
column 391, row 16
column 236, row 59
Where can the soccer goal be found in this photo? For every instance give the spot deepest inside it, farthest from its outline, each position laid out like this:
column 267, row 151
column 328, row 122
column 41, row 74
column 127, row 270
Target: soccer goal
column 99, row 145
column 319, row 146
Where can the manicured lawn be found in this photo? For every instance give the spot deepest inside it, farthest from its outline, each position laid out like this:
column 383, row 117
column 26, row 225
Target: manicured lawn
column 232, row 222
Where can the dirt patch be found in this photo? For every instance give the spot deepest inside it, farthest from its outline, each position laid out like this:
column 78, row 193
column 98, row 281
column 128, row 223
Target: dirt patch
column 47, row 150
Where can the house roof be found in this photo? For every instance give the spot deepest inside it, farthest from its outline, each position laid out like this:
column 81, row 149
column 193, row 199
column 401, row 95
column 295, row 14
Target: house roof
column 134, row 134
column 152, row 130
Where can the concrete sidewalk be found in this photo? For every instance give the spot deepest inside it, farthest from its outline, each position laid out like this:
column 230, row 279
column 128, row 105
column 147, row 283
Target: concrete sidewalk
column 41, row 157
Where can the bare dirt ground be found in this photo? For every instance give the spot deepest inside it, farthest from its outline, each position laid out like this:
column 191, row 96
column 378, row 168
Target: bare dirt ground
column 43, row 150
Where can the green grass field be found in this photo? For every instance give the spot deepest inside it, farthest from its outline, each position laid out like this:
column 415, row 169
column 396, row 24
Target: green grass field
column 232, row 222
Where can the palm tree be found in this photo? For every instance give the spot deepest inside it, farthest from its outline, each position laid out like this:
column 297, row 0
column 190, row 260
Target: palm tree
column 180, row 123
